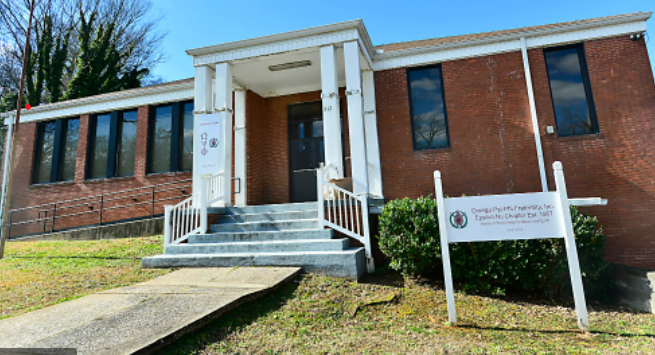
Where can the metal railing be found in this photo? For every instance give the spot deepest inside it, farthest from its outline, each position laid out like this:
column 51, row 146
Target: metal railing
column 98, row 205
column 346, row 212
column 189, row 216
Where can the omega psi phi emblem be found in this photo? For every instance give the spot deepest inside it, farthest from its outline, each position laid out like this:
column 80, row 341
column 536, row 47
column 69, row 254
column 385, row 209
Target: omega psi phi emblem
column 458, row 219
column 203, row 141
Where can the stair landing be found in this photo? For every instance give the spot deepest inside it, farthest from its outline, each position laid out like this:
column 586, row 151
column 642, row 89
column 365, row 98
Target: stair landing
column 266, row 235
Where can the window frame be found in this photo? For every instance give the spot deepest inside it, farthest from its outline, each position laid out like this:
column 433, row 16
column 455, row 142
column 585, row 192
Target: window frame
column 119, row 137
column 411, row 106
column 586, row 83
column 61, row 129
column 177, row 137
column 115, row 130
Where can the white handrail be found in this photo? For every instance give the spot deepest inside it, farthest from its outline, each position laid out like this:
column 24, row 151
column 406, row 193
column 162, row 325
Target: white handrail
column 189, row 216
column 346, row 213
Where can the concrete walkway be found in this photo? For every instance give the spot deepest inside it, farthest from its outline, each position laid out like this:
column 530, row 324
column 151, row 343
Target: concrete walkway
column 145, row 316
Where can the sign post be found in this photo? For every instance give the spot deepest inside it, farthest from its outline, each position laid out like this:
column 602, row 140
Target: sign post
column 539, row 215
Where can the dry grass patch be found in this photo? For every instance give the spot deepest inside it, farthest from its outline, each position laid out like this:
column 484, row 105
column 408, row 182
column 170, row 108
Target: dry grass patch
column 314, row 315
column 37, row 274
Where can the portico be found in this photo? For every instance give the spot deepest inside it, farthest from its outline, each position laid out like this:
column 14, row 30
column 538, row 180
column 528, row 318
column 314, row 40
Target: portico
column 321, row 59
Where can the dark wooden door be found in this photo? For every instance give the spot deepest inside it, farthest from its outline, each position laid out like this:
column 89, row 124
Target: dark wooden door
column 306, row 149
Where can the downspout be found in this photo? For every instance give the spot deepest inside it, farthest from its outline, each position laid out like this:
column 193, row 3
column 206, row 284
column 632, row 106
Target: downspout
column 5, row 171
column 533, row 113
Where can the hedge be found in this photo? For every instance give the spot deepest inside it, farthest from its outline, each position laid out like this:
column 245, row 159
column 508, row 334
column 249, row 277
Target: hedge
column 409, row 236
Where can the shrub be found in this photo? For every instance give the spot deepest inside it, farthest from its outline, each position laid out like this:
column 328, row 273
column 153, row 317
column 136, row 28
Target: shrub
column 409, row 236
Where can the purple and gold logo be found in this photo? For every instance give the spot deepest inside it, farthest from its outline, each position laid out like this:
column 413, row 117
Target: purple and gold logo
column 458, row 219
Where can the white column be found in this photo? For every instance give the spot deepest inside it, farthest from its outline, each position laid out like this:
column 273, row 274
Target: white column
column 202, row 103
column 240, row 146
column 356, row 117
column 371, row 129
column 223, row 106
column 331, row 111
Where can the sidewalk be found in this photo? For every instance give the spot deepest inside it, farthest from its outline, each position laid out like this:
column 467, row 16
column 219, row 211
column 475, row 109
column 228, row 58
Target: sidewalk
column 145, row 316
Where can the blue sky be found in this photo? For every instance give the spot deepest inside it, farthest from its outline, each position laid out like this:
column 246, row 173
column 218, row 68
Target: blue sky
column 196, row 23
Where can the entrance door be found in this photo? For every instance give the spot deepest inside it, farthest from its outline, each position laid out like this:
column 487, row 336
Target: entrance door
column 306, row 150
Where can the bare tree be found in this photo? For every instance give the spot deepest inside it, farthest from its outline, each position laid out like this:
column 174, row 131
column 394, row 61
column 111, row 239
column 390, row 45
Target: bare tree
column 136, row 32
column 573, row 121
column 430, row 128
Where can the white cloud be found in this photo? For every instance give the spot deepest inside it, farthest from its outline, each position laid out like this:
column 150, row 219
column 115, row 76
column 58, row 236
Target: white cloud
column 568, row 64
column 567, row 92
column 427, row 84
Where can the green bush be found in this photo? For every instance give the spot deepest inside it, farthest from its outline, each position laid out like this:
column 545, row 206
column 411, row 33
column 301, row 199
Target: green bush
column 409, row 236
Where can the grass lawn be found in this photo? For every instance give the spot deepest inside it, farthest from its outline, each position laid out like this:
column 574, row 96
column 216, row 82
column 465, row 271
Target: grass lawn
column 314, row 315
column 37, row 274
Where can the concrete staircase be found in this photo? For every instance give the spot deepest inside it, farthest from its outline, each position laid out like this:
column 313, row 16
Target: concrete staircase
column 267, row 235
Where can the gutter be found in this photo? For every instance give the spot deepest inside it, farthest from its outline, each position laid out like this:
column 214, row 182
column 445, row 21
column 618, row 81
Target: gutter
column 639, row 16
column 117, row 95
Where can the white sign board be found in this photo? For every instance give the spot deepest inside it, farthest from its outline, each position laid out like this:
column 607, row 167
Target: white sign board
column 510, row 217
column 502, row 217
column 207, row 146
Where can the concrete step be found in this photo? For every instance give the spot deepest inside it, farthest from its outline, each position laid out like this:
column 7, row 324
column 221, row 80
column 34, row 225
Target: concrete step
column 287, row 207
column 350, row 263
column 259, row 247
column 267, row 217
column 266, row 226
column 260, row 236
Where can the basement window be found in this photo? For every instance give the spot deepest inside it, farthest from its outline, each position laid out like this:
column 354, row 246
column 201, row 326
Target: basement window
column 427, row 108
column 55, row 151
column 170, row 139
column 570, row 90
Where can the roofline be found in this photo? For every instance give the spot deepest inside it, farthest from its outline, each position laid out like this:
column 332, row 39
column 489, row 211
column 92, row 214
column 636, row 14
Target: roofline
column 285, row 36
column 183, row 84
column 633, row 17
column 187, row 84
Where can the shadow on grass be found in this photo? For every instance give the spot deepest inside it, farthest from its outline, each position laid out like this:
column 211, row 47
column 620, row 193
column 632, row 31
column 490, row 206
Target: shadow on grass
column 233, row 321
column 384, row 276
column 74, row 257
column 529, row 330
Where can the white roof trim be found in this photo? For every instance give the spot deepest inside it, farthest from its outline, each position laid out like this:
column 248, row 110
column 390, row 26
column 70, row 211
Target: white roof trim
column 284, row 42
column 337, row 33
column 107, row 102
column 541, row 37
column 285, row 36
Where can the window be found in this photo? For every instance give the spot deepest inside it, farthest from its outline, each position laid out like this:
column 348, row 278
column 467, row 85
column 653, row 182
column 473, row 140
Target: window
column 56, row 151
column 570, row 90
column 427, row 107
column 112, row 145
column 171, row 138
column 99, row 146
column 127, row 143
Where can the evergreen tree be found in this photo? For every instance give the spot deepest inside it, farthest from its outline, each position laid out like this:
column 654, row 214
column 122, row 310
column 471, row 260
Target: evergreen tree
column 46, row 65
column 100, row 66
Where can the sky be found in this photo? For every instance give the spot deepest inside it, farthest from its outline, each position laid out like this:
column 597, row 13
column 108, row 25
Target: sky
column 195, row 23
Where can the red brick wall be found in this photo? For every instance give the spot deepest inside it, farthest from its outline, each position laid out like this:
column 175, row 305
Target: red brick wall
column 492, row 145
column 268, row 145
column 24, row 194
column 619, row 162
column 256, row 134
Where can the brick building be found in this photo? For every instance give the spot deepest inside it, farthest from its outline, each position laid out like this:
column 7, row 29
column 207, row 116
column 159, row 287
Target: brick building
column 385, row 116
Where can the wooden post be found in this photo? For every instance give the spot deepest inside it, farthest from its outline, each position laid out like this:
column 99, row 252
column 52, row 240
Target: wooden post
column 445, row 250
column 167, row 224
column 370, row 262
column 571, row 249
column 202, row 196
column 321, row 198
